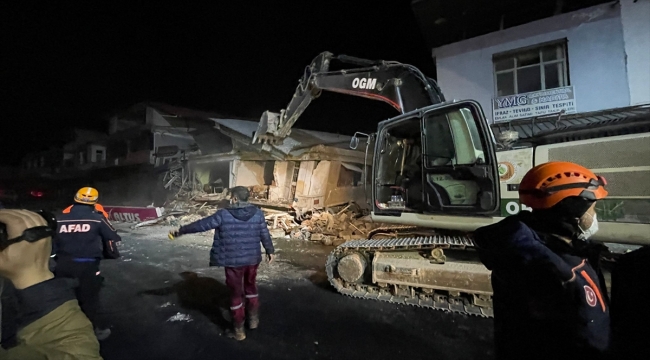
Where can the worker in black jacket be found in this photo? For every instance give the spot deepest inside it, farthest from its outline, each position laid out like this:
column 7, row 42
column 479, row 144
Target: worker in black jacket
column 550, row 298
column 84, row 236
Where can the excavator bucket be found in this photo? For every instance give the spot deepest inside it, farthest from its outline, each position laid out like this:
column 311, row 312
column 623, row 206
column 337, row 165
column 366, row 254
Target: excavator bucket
column 267, row 129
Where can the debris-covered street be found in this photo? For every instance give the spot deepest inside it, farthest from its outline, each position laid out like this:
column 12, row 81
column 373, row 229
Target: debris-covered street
column 163, row 302
column 463, row 180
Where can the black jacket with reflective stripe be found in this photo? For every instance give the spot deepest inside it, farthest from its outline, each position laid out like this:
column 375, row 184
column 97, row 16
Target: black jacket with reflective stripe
column 81, row 233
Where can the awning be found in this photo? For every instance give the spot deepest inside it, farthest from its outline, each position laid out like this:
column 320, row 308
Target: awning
column 577, row 126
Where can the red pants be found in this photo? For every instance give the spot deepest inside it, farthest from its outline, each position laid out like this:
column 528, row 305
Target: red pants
column 243, row 292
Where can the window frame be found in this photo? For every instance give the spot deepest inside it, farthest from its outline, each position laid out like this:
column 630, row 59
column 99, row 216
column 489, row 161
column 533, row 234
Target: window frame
column 512, row 54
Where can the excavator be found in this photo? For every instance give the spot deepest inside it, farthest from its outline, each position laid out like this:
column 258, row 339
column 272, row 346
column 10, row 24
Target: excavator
column 438, row 174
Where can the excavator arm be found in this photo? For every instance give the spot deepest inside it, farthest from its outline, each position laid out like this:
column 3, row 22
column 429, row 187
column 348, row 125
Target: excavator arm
column 402, row 86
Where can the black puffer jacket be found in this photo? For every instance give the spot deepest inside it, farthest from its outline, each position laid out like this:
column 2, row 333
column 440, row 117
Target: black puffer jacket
column 550, row 300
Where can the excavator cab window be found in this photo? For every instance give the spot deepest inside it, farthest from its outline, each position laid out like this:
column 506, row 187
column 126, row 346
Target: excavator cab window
column 400, row 160
column 439, row 161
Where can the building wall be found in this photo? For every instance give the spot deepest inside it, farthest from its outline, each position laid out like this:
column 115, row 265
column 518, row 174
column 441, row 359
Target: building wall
column 320, row 178
column 96, row 157
column 248, row 173
column 595, row 52
column 304, row 177
column 635, row 17
column 282, row 172
column 336, row 195
column 166, row 138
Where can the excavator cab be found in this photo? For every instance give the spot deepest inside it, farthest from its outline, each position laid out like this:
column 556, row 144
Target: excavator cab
column 440, row 159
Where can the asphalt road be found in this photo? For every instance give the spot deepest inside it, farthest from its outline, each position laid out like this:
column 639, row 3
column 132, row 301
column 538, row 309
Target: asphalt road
column 155, row 312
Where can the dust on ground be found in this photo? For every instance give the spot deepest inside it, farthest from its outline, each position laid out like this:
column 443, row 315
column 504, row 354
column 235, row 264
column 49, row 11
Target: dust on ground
column 294, row 260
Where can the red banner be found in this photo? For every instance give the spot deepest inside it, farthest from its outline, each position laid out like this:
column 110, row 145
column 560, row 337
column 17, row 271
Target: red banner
column 132, row 214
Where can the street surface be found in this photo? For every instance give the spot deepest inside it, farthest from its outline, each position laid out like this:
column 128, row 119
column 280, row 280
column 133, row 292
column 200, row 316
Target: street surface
column 158, row 309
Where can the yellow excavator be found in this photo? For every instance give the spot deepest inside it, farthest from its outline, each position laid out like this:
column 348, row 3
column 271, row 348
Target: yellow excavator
column 439, row 172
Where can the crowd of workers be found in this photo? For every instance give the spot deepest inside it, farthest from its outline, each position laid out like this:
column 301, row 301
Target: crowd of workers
column 550, row 298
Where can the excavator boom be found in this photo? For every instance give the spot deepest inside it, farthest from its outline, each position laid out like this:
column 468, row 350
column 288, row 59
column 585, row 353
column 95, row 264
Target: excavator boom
column 402, row 86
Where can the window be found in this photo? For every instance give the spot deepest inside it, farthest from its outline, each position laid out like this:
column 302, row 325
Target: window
column 452, row 138
column 269, row 176
column 349, row 175
column 99, row 155
column 540, row 68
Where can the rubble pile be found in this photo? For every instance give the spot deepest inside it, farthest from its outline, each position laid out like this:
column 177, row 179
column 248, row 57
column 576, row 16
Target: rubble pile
column 259, row 192
column 327, row 226
column 195, row 206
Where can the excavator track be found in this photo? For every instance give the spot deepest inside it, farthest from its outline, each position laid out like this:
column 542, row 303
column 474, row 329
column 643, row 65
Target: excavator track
column 432, row 299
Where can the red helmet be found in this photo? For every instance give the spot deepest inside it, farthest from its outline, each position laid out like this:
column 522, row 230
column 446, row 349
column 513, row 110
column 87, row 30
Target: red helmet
column 547, row 184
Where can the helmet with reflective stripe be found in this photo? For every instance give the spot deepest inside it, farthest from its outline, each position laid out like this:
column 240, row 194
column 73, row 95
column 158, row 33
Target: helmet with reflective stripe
column 547, row 184
column 87, row 195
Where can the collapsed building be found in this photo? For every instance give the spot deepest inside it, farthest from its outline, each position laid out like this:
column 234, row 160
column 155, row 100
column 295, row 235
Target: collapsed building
column 155, row 155
column 310, row 170
column 198, row 155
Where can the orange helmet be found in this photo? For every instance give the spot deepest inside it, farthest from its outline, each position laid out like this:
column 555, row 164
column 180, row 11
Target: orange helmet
column 547, row 184
column 87, row 195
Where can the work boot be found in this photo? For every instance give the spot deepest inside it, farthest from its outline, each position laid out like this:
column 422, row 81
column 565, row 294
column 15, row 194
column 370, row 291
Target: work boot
column 102, row 334
column 238, row 333
column 253, row 320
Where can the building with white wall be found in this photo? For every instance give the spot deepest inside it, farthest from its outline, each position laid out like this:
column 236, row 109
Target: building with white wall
column 587, row 60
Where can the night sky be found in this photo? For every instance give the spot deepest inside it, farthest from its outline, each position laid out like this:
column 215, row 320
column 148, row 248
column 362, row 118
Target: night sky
column 68, row 64
column 72, row 64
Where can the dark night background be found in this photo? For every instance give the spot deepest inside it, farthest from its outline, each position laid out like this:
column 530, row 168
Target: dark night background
column 72, row 64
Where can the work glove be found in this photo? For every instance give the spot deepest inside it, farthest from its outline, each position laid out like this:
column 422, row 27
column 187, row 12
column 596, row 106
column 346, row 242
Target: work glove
column 173, row 234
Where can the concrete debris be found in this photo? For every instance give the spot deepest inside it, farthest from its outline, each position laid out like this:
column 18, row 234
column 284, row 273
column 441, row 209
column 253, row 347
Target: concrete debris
column 211, row 198
column 180, row 317
column 328, row 227
column 158, row 220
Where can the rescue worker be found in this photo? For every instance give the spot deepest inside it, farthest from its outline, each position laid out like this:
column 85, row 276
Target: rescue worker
column 239, row 229
column 52, row 325
column 550, row 299
column 81, row 198
column 82, row 239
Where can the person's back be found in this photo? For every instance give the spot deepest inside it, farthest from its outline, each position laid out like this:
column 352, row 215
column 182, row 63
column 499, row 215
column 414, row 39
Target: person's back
column 237, row 238
column 98, row 207
column 84, row 236
column 238, row 232
column 547, row 298
column 550, row 298
column 81, row 231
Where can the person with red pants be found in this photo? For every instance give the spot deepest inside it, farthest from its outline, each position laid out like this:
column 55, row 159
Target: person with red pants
column 239, row 229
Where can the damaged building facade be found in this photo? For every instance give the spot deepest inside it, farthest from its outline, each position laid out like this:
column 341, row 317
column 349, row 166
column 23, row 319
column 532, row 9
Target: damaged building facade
column 155, row 153
column 199, row 155
column 310, row 170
